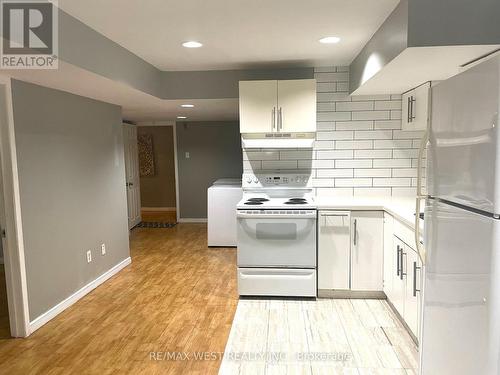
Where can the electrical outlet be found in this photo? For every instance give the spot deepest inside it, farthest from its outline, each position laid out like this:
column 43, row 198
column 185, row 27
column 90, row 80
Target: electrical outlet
column 188, row 155
column 89, row 256
column 103, row 249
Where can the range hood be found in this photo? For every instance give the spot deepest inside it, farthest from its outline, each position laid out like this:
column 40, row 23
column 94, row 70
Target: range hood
column 278, row 140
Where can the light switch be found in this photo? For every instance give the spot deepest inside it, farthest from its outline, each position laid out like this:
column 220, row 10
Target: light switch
column 187, row 155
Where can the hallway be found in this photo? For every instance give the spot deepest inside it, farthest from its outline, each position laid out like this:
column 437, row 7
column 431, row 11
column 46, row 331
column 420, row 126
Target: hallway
column 177, row 295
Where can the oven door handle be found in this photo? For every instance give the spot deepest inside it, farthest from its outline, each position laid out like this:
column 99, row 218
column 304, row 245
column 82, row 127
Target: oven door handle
column 242, row 215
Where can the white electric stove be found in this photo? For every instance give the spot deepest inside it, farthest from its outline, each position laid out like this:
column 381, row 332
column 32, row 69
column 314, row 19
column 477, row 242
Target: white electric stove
column 276, row 235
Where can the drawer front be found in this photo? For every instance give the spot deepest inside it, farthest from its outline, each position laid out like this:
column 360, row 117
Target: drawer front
column 404, row 233
column 277, row 282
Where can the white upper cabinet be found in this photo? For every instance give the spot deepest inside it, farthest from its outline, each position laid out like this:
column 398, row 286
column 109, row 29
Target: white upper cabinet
column 367, row 250
column 297, row 105
column 416, row 108
column 258, row 102
column 278, row 106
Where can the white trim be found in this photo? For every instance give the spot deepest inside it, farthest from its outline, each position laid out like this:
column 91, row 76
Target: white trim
column 176, row 168
column 63, row 305
column 157, row 209
column 192, row 220
column 15, row 268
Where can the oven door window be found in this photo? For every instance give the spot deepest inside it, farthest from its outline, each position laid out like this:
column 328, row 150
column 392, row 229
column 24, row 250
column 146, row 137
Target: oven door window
column 276, row 231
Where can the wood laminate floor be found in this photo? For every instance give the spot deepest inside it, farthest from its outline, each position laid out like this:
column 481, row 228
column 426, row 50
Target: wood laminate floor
column 178, row 295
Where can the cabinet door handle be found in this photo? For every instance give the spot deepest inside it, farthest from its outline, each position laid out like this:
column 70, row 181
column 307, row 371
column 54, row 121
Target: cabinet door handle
column 402, row 274
column 273, row 119
column 355, row 239
column 415, row 268
column 280, row 122
column 412, row 113
column 398, row 261
column 408, row 106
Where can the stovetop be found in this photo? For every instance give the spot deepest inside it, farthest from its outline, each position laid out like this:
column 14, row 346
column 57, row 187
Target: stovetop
column 277, row 190
column 266, row 202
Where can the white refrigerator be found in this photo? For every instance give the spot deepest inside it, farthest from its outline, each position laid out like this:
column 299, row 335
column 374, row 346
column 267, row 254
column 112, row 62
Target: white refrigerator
column 461, row 301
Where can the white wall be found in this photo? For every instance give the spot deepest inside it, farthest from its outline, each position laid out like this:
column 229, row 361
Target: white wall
column 360, row 148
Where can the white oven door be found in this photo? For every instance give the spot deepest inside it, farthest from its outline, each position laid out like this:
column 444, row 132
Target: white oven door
column 277, row 241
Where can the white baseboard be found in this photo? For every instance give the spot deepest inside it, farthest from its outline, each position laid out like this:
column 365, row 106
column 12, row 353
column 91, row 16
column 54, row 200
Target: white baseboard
column 63, row 305
column 157, row 209
column 192, row 220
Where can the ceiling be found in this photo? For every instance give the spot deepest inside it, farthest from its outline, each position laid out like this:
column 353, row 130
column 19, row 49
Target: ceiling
column 137, row 106
column 237, row 34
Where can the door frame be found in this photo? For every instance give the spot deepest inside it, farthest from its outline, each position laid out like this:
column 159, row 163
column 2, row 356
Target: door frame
column 14, row 259
column 176, row 170
column 130, row 159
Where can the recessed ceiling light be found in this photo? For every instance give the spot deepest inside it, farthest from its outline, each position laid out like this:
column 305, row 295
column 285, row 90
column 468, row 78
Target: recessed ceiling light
column 181, row 117
column 330, row 40
column 192, row 44
column 187, row 105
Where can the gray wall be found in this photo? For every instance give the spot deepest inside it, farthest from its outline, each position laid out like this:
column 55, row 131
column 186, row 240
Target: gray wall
column 71, row 180
column 215, row 152
column 217, row 84
column 159, row 190
column 453, row 22
column 388, row 42
column 84, row 47
column 424, row 23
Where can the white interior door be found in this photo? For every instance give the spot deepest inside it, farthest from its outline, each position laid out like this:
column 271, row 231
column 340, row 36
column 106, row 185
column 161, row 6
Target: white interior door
column 132, row 174
column 258, row 101
column 367, row 251
column 297, row 105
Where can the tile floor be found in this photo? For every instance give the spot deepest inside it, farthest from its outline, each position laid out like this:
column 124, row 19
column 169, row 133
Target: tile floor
column 324, row 336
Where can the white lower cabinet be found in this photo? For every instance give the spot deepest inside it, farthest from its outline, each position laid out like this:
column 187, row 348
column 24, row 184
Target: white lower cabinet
column 398, row 277
column 360, row 252
column 412, row 295
column 406, row 284
column 367, row 244
column 334, row 239
column 388, row 255
column 350, row 250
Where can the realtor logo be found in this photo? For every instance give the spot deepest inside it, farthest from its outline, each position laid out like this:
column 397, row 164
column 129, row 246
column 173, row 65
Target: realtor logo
column 29, row 34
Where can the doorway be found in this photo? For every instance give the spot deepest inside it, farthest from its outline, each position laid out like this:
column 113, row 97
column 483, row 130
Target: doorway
column 157, row 172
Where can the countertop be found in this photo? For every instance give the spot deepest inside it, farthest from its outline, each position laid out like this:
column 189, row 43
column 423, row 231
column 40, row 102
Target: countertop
column 402, row 209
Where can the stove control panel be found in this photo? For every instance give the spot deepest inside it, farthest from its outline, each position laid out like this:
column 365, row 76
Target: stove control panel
column 251, row 180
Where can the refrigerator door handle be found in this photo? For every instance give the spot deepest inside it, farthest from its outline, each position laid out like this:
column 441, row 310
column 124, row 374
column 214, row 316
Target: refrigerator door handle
column 420, row 196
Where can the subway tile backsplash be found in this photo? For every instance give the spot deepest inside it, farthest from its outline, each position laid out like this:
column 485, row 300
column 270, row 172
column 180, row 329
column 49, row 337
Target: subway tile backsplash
column 360, row 149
